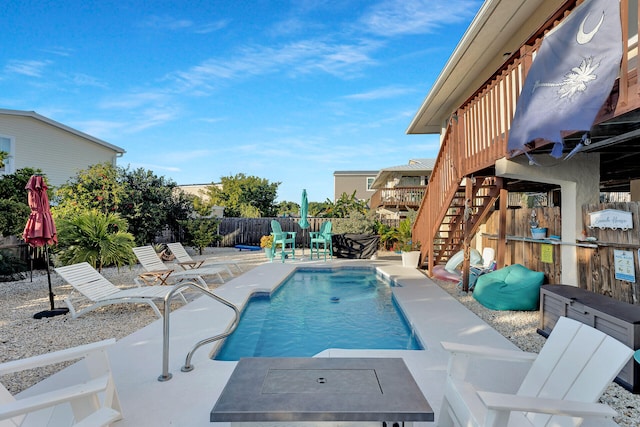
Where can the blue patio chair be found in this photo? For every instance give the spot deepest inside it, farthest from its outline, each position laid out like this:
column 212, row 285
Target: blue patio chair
column 322, row 237
column 282, row 239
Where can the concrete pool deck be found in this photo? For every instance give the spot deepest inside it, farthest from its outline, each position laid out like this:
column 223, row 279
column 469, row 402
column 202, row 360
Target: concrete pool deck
column 187, row 399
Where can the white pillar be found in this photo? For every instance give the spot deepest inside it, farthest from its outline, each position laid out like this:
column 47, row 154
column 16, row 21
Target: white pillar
column 579, row 181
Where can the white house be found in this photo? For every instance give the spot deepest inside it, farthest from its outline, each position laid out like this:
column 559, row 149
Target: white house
column 35, row 141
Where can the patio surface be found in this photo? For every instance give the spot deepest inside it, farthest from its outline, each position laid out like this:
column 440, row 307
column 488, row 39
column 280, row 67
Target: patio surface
column 187, row 399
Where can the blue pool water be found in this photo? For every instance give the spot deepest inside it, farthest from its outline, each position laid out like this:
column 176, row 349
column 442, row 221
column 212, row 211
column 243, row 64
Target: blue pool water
column 316, row 309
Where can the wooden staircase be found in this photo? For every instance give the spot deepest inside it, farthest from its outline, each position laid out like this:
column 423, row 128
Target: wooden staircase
column 468, row 207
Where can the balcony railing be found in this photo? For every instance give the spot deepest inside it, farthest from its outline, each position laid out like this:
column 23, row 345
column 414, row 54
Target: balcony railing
column 398, row 198
column 478, row 131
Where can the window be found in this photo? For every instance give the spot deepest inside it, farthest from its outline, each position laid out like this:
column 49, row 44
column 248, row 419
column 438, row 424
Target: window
column 6, row 146
column 370, row 182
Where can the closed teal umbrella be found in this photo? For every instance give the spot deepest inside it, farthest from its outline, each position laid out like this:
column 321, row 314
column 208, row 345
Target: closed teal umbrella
column 303, row 222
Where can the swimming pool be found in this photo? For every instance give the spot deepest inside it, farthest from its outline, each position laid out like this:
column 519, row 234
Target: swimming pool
column 317, row 309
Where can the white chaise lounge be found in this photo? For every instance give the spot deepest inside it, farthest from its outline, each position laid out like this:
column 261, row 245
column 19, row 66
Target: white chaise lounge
column 157, row 271
column 86, row 281
column 185, row 261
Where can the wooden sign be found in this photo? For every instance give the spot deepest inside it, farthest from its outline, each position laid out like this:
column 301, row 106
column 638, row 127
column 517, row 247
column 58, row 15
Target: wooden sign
column 611, row 218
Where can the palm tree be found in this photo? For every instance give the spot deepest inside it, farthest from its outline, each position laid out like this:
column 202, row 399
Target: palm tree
column 97, row 238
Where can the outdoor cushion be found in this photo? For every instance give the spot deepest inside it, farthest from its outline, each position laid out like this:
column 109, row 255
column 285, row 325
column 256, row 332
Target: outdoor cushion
column 511, row 288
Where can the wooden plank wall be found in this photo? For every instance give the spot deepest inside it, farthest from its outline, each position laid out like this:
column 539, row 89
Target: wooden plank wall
column 596, row 271
column 522, row 249
column 596, row 265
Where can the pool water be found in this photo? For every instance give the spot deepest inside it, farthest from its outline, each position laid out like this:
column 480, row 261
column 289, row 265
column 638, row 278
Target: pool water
column 317, row 309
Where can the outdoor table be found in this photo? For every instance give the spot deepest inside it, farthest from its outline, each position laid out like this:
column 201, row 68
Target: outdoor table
column 321, row 391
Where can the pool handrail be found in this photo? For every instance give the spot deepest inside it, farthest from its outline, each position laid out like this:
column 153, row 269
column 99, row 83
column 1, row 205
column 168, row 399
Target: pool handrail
column 166, row 375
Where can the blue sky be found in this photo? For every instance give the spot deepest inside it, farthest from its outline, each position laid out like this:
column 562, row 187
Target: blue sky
column 290, row 91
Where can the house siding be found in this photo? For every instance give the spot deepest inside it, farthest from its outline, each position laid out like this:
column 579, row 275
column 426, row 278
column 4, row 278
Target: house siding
column 348, row 181
column 58, row 153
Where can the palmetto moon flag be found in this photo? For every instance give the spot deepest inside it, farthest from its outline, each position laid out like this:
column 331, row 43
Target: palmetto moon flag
column 571, row 76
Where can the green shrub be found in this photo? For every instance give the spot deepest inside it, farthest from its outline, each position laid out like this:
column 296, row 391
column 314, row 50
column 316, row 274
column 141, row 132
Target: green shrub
column 97, row 238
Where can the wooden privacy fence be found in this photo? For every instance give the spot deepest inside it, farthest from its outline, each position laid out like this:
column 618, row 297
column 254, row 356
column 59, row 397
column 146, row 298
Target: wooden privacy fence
column 248, row 231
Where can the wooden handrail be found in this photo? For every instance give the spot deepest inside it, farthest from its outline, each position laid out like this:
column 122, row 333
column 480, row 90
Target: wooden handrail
column 478, row 131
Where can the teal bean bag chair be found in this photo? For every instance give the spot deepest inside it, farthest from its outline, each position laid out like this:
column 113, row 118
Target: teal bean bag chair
column 514, row 287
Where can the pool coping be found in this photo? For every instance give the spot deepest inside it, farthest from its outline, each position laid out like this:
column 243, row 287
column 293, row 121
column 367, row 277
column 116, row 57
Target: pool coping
column 188, row 398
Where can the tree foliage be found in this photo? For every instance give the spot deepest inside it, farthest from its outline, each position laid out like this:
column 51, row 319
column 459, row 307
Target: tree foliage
column 319, row 209
column 200, row 232
column 288, row 209
column 245, row 196
column 146, row 201
column 99, row 187
column 345, row 206
column 14, row 205
column 101, row 239
column 152, row 202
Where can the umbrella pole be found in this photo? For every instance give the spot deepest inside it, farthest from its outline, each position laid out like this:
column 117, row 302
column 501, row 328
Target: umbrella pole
column 54, row 311
column 46, row 256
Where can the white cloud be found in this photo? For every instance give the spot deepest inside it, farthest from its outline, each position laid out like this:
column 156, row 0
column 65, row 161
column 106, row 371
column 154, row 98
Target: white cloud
column 381, row 93
column 155, row 168
column 166, row 23
column 134, row 100
column 30, row 68
column 399, row 17
column 297, row 57
column 174, row 24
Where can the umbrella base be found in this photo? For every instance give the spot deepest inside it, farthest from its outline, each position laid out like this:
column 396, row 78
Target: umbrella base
column 51, row 313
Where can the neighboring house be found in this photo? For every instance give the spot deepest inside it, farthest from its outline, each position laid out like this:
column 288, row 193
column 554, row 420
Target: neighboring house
column 200, row 190
column 401, row 188
column 350, row 181
column 35, row 141
column 483, row 157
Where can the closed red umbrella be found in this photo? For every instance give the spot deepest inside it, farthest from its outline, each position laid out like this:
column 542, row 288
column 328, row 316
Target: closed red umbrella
column 40, row 231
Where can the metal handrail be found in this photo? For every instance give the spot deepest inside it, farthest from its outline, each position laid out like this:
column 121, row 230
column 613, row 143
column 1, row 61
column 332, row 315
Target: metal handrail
column 166, row 375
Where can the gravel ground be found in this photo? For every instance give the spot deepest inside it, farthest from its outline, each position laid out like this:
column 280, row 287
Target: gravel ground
column 22, row 336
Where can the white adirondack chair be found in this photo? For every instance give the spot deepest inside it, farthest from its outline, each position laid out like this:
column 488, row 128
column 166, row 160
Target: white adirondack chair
column 157, row 271
column 100, row 292
column 92, row 402
column 573, row 369
column 185, row 261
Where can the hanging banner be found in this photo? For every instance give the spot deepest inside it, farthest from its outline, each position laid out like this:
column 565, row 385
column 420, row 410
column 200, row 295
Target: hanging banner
column 625, row 267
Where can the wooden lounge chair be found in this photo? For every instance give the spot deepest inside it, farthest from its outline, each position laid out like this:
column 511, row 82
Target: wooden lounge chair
column 573, row 369
column 93, row 402
column 100, row 292
column 157, row 272
column 185, row 261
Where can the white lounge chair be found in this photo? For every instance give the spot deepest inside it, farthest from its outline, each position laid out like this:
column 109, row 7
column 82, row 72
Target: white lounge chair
column 93, row 402
column 573, row 369
column 100, row 292
column 157, row 271
column 185, row 261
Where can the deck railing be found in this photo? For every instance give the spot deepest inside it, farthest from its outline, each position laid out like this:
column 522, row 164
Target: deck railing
column 400, row 197
column 478, row 130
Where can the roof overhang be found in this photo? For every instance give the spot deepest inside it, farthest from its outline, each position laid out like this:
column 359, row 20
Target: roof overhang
column 498, row 30
column 36, row 116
